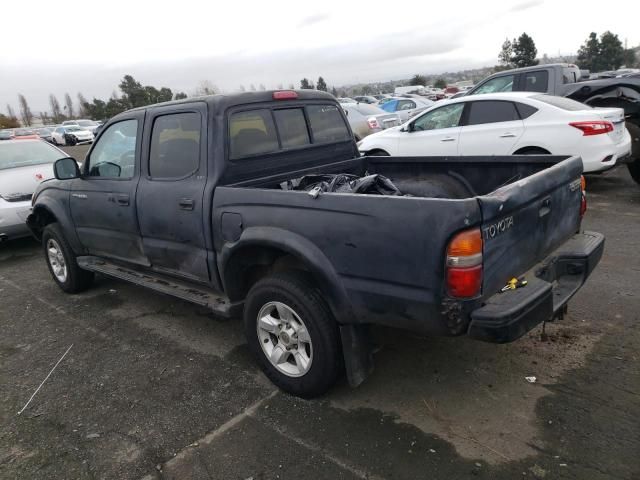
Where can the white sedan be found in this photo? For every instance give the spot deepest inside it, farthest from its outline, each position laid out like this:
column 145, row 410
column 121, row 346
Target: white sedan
column 510, row 124
column 71, row 135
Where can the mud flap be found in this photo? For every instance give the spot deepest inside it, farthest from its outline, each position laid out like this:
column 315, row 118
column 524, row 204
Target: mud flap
column 358, row 353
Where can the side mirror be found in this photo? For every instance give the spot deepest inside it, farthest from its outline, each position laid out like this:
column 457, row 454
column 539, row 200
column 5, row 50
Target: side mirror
column 66, row 169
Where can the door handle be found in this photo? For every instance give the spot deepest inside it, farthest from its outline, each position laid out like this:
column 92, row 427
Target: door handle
column 545, row 208
column 186, row 204
column 121, row 199
column 448, row 139
column 508, row 135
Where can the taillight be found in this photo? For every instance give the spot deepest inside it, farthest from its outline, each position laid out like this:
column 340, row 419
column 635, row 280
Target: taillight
column 583, row 198
column 595, row 127
column 464, row 264
column 373, row 122
column 285, row 95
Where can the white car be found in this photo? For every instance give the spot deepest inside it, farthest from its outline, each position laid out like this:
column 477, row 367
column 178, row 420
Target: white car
column 23, row 165
column 406, row 107
column 510, row 124
column 71, row 135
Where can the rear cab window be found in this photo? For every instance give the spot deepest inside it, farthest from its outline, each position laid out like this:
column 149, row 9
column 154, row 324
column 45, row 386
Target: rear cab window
column 264, row 130
column 536, row 81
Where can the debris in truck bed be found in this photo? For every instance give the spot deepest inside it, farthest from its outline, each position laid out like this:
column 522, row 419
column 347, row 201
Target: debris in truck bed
column 346, row 183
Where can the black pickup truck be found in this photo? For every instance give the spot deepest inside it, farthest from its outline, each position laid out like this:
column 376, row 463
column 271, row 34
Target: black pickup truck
column 205, row 199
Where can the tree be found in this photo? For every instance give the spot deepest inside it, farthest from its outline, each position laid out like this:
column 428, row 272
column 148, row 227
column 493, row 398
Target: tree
column 25, row 112
column 8, row 122
column 252, row 87
column 611, row 51
column 505, row 53
column 524, row 52
column 133, row 93
column 11, row 114
column 305, row 84
column 418, row 80
column 82, row 111
column 56, row 113
column 321, row 85
column 334, row 92
column 589, row 54
column 367, row 90
column 180, row 96
column 68, row 105
column 205, row 87
column 261, row 87
column 440, row 83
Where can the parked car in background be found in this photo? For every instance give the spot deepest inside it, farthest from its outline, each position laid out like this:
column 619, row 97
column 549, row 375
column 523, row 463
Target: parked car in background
column 366, row 99
column 6, row 134
column 45, row 134
column 366, row 119
column 25, row 134
column 346, row 100
column 90, row 125
column 381, row 96
column 562, row 79
column 404, row 107
column 513, row 123
column 23, row 165
column 71, row 135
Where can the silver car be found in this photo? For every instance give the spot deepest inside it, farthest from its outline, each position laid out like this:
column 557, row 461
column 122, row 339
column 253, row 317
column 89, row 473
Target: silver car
column 23, row 165
column 366, row 119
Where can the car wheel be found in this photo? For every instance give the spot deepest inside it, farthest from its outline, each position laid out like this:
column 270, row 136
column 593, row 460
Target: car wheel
column 532, row 151
column 634, row 169
column 378, row 153
column 54, row 141
column 62, row 262
column 292, row 334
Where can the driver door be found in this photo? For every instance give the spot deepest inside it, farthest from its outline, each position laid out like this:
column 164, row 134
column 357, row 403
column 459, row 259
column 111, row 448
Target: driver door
column 435, row 133
column 103, row 200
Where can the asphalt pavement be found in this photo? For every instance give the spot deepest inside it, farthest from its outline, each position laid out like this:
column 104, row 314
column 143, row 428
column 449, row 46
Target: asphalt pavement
column 157, row 388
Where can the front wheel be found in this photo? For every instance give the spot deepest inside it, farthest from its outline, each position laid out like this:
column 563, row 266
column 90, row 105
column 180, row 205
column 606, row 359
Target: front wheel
column 62, row 262
column 292, row 334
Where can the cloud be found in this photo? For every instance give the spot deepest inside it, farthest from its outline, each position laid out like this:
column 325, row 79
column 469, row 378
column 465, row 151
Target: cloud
column 314, row 19
column 525, row 6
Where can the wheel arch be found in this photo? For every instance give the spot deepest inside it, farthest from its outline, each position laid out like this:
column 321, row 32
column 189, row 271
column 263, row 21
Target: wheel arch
column 260, row 251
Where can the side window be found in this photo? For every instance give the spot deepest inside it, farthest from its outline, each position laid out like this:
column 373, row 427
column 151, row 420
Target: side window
column 389, row 106
column 114, row 155
column 536, row 81
column 488, row 111
column 525, row 111
column 175, row 145
column 292, row 127
column 252, row 132
column 406, row 105
column 443, row 117
column 327, row 124
column 498, row 84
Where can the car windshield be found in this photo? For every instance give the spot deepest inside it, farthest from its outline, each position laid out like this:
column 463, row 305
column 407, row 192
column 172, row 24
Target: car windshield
column 25, row 152
column 72, row 128
column 86, row 123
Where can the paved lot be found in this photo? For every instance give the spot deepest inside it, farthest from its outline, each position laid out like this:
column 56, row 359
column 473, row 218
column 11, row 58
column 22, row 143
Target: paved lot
column 157, row 388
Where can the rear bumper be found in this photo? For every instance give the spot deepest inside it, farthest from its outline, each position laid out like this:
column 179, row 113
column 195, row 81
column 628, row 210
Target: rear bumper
column 507, row 316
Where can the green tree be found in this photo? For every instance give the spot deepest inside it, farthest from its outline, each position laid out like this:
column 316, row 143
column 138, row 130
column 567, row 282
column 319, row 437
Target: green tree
column 321, row 85
column 180, row 96
column 418, row 80
column 611, row 51
column 11, row 114
column 440, row 83
column 367, row 90
column 589, row 54
column 133, row 93
column 68, row 105
column 334, row 92
column 524, row 52
column 505, row 53
column 56, row 112
column 305, row 84
column 82, row 112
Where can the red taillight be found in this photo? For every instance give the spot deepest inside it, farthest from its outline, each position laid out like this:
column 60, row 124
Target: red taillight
column 464, row 264
column 373, row 122
column 596, row 127
column 285, row 95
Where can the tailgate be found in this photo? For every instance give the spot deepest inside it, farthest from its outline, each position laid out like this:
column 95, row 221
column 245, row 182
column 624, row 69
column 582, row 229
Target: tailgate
column 524, row 221
column 615, row 116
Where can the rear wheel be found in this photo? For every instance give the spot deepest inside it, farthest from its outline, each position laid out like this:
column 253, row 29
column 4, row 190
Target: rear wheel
column 292, row 334
column 532, row 151
column 62, row 262
column 378, row 153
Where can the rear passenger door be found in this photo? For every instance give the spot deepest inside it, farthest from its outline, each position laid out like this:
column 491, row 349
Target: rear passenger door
column 171, row 189
column 490, row 127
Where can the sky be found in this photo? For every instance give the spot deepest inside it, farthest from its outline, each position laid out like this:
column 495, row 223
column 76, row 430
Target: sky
column 89, row 46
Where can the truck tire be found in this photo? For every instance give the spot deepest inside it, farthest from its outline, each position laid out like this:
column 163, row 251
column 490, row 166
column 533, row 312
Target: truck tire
column 634, row 169
column 62, row 262
column 292, row 334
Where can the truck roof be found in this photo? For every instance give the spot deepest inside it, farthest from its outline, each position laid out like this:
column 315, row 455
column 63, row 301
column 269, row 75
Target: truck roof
column 225, row 100
column 535, row 67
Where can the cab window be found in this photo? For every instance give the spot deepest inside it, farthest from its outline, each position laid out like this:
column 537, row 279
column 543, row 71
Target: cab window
column 175, row 145
column 498, row 84
column 114, row 154
column 292, row 127
column 443, row 117
column 535, row 81
column 327, row 124
column 251, row 133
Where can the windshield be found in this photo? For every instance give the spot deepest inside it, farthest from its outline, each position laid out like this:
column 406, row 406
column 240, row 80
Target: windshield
column 24, row 153
column 72, row 128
